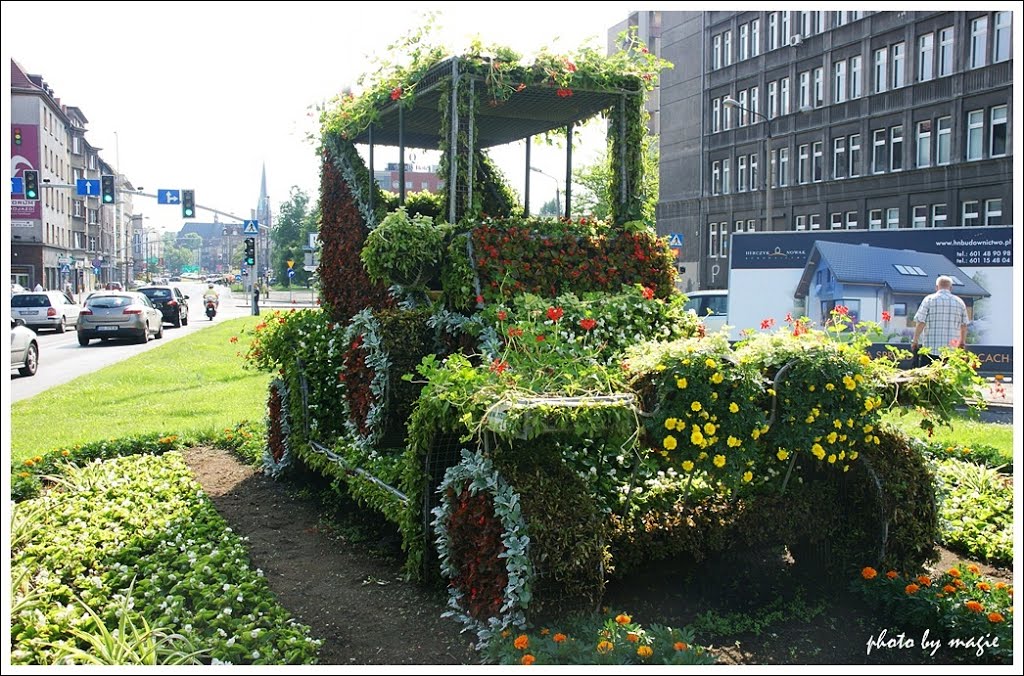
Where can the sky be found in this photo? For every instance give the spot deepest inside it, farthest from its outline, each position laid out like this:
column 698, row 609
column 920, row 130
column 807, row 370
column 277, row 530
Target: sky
column 202, row 95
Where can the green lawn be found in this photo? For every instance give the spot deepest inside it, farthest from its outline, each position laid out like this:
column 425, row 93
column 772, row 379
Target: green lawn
column 963, row 432
column 192, row 385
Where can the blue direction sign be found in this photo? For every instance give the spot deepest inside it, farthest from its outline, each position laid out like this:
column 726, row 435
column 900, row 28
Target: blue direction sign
column 165, row 196
column 291, row 273
column 251, row 228
column 17, row 185
column 96, row 270
column 675, row 240
column 90, row 187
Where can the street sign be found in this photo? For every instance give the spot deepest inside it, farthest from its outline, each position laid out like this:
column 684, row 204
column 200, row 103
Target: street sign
column 309, row 268
column 95, row 270
column 65, row 268
column 89, row 187
column 251, row 228
column 290, row 263
column 238, row 278
column 64, row 260
column 165, row 196
column 291, row 273
column 17, row 185
column 675, row 240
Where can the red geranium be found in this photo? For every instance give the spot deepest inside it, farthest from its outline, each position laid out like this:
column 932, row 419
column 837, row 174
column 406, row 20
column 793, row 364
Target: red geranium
column 396, row 93
column 648, row 293
column 555, row 313
column 886, row 316
column 587, row 324
column 563, row 93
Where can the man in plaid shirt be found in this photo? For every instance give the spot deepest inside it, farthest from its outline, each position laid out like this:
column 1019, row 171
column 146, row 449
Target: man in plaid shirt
column 942, row 318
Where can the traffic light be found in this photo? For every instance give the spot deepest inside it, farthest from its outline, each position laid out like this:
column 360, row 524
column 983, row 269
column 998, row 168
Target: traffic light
column 250, row 251
column 31, row 177
column 17, row 136
column 188, row 203
column 107, row 188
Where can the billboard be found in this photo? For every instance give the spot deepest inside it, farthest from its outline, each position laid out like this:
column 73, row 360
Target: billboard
column 883, row 273
column 24, row 155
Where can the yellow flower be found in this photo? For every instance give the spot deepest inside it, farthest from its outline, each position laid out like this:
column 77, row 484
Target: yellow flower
column 832, row 436
column 868, row 428
column 670, row 423
column 818, row 451
column 849, row 382
column 695, row 406
column 868, row 404
column 809, row 419
column 644, row 652
column 717, row 378
column 669, row 442
column 832, row 459
column 838, row 424
column 680, row 425
column 755, row 434
column 748, row 477
column 681, row 383
column 733, row 407
column 846, row 468
column 876, row 440
column 696, row 438
column 710, row 363
column 810, row 388
column 733, row 442
column 782, row 454
column 829, row 386
column 687, row 466
column 719, row 461
column 709, row 429
column 605, row 647
column 865, row 360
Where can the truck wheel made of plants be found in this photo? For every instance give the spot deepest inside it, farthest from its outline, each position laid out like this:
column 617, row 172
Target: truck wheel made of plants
column 277, row 457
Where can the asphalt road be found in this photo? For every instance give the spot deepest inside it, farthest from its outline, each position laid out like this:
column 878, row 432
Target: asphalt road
column 62, row 359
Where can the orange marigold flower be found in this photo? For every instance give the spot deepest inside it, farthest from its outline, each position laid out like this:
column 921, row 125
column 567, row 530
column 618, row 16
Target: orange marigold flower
column 506, row 633
column 911, row 588
column 24, row 475
column 528, row 660
column 949, row 589
column 973, row 568
column 632, row 638
column 681, row 645
column 984, row 586
column 623, row 618
column 868, row 573
column 644, row 652
column 545, row 631
column 924, row 580
column 559, row 638
column 605, row 647
column 892, row 575
column 996, row 617
column 65, row 452
column 522, row 642
column 1000, row 585
column 953, row 572
column 974, row 606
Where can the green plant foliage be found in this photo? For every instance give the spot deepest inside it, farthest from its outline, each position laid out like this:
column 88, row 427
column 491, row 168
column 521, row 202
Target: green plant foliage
column 976, row 513
column 968, row 617
column 422, row 203
column 403, row 250
column 136, row 532
column 611, row 639
column 757, row 621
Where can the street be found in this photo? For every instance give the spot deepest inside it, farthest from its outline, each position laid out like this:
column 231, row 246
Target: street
column 62, row 359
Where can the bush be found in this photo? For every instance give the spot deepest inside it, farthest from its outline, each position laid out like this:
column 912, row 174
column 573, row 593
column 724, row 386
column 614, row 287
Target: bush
column 403, row 250
column 976, row 512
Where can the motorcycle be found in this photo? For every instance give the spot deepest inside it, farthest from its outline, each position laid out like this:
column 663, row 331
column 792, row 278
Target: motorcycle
column 211, row 309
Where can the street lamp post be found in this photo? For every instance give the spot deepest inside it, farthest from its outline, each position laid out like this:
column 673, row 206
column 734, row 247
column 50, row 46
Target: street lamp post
column 769, row 169
column 558, row 196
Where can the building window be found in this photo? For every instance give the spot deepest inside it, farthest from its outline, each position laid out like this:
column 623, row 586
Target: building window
column 755, row 37
column 773, row 99
column 875, row 219
column 892, row 218
column 856, row 81
column 716, row 52
column 716, row 178
column 726, row 177
column 713, row 240
column 741, row 112
column 943, row 140
column 800, row 223
column 851, row 220
column 783, row 167
column 784, row 95
column 946, row 51
column 727, row 48
column 899, row 57
column 975, row 129
column 1001, row 41
column 754, row 185
column 773, row 31
column 78, row 209
column 744, row 42
column 924, row 144
column 817, row 160
column 994, row 212
column 837, row 220
column 741, row 173
column 716, row 115
column 784, row 28
column 751, row 225
column 839, row 82
column 878, row 159
column 819, row 91
column 805, row 24
column 754, row 102
column 938, row 215
column 881, row 71
column 723, row 239
column 997, row 132
column 970, row 213
column 925, row 56
column 726, row 117
column 815, row 222
column 920, row 217
column 803, row 163
column 896, row 148
column 839, row 157
column 840, row 18
column 854, row 155
column 979, row 41
column 805, row 89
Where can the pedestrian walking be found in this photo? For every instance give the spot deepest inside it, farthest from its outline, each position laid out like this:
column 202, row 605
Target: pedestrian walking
column 941, row 322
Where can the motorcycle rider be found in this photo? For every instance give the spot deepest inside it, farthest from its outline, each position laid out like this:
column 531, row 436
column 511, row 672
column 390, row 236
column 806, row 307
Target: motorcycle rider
column 211, row 295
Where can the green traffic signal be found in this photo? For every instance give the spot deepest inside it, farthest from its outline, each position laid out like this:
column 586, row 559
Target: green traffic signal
column 31, row 178
column 107, row 188
column 188, row 203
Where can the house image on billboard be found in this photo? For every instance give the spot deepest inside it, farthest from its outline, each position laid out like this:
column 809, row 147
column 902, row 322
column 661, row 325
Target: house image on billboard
column 870, row 280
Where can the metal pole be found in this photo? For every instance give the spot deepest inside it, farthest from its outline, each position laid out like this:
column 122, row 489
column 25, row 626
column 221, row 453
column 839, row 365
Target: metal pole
column 453, row 153
column 526, row 187
column 568, row 171
column 369, row 140
column 401, row 156
column 770, row 178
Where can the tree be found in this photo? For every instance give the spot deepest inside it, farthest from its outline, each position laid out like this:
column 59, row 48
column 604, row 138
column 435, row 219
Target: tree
column 295, row 220
column 594, row 180
column 178, row 257
column 549, row 208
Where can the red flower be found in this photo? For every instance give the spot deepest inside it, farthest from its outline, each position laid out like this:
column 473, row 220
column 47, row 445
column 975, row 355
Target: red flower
column 767, row 323
column 564, row 93
column 587, row 324
column 540, row 338
column 643, row 50
column 514, row 332
column 498, row 366
column 233, row 339
column 396, row 93
column 570, row 66
column 648, row 293
column 842, row 310
column 555, row 313
column 502, row 315
column 886, row 316
column 479, row 299
column 789, row 317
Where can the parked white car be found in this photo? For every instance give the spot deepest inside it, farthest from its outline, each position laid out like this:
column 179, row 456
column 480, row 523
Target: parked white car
column 24, row 349
column 712, row 306
column 45, row 310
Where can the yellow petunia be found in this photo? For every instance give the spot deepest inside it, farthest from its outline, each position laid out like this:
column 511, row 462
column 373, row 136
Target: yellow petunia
column 782, row 454
column 670, row 423
column 717, row 378
column 695, row 406
column 755, row 433
column 681, row 383
column 748, row 477
column 733, row 442
column 710, row 363
column 709, row 429
column 719, row 461
column 669, row 442
column 832, row 459
column 832, row 436
column 687, row 465
column 734, row 407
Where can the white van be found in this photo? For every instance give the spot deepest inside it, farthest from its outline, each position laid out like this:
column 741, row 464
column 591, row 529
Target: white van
column 712, row 306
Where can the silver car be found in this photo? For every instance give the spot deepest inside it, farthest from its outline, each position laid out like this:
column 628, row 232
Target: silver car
column 45, row 309
column 24, row 349
column 117, row 314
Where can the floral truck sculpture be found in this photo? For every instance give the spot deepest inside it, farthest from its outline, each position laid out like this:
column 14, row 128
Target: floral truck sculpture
column 526, row 397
